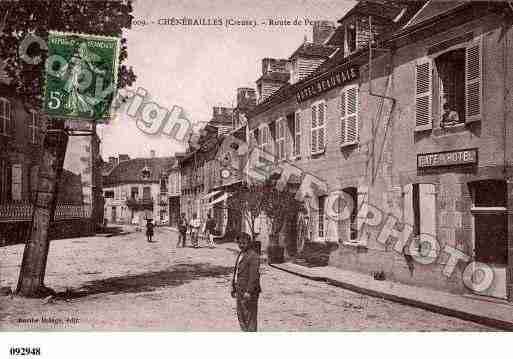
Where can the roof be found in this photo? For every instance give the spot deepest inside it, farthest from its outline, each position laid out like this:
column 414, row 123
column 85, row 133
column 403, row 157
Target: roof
column 382, row 8
column 131, row 171
column 432, row 9
column 310, row 49
column 275, row 76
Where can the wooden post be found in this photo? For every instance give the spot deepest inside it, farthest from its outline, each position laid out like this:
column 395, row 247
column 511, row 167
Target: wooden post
column 33, row 266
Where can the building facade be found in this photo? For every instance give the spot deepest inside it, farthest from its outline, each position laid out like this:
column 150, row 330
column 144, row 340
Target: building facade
column 136, row 190
column 423, row 142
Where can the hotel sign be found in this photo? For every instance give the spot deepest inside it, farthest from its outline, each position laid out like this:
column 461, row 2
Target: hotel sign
column 447, row 158
column 334, row 79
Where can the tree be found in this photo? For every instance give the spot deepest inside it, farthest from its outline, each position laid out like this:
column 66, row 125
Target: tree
column 25, row 82
column 247, row 202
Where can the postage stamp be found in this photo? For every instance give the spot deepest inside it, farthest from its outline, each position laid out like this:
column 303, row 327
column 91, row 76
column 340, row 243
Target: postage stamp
column 80, row 75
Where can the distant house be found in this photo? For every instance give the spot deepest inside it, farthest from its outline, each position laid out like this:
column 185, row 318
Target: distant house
column 136, row 189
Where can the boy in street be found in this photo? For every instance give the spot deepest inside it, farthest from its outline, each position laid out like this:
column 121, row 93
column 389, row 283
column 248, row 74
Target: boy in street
column 246, row 283
column 182, row 230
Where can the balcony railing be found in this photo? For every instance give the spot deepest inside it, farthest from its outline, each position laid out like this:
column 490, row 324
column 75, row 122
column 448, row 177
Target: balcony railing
column 22, row 211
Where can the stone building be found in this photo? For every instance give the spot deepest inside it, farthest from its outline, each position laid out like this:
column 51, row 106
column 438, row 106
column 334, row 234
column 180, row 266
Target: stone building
column 423, row 150
column 136, row 189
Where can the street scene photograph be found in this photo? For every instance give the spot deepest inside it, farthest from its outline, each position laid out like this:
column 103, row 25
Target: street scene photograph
column 255, row 166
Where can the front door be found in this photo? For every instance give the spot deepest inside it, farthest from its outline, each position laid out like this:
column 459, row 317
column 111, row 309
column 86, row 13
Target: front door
column 491, row 248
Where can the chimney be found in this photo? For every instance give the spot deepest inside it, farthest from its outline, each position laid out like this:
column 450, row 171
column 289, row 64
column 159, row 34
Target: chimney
column 113, row 161
column 123, row 157
column 152, row 153
column 322, row 30
column 275, row 74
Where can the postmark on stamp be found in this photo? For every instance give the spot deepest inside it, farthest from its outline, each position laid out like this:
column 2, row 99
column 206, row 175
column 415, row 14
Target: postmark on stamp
column 81, row 75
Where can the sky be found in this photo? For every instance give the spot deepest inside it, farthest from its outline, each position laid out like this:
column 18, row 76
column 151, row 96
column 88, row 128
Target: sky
column 198, row 67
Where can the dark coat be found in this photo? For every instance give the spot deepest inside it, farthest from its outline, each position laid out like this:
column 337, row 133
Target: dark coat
column 248, row 275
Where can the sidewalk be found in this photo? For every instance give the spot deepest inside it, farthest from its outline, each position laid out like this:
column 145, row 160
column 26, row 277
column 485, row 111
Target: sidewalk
column 497, row 313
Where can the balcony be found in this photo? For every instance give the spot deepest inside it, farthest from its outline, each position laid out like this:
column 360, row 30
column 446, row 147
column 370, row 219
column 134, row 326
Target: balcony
column 140, row 203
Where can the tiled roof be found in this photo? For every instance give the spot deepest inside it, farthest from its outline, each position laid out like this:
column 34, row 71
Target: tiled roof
column 275, row 76
column 131, row 171
column 432, row 9
column 310, row 49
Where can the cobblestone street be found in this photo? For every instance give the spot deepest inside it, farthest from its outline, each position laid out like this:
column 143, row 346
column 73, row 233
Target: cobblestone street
column 125, row 283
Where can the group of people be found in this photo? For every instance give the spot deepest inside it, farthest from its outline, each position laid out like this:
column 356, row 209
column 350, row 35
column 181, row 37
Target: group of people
column 193, row 227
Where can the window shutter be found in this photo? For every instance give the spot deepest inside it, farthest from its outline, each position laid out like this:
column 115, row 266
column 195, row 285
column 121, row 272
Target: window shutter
column 362, row 197
column 427, row 202
column 314, row 130
column 297, row 133
column 408, row 216
column 352, row 115
column 321, row 120
column 343, row 118
column 423, row 84
column 473, row 83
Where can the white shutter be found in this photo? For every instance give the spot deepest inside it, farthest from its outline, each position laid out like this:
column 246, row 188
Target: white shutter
column 473, row 83
column 408, row 214
column 16, row 182
column 343, row 118
column 321, row 122
column 362, row 197
column 352, row 115
column 423, row 95
column 427, row 201
column 313, row 144
column 297, row 134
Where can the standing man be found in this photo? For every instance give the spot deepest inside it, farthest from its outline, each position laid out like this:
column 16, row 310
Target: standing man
column 195, row 228
column 182, row 229
column 210, row 228
column 246, row 284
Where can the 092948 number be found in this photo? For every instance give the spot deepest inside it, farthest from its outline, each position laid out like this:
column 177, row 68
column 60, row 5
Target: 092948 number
column 25, row 351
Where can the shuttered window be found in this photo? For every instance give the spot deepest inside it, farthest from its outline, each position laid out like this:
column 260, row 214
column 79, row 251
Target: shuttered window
column 280, row 139
column 423, row 95
column 5, row 117
column 321, row 220
column 297, row 134
column 318, row 127
column 349, row 116
column 473, row 82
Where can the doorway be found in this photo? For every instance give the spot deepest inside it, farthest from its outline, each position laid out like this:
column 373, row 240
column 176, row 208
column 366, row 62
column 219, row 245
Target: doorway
column 113, row 214
column 490, row 231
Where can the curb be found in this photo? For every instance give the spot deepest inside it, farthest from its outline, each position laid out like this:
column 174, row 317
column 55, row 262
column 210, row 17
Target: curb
column 476, row 318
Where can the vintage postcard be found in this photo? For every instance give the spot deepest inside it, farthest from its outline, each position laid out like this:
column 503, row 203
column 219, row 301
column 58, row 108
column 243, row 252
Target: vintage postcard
column 212, row 166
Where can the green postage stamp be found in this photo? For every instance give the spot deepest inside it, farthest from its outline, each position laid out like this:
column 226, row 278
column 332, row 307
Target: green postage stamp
column 81, row 75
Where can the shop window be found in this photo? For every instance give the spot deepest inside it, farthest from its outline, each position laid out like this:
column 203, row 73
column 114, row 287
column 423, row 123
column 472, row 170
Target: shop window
column 5, row 116
column 318, row 127
column 490, row 221
column 450, row 67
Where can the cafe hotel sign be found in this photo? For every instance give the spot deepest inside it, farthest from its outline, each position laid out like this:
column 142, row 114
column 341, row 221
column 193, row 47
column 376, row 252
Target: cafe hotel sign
column 447, row 158
column 333, row 79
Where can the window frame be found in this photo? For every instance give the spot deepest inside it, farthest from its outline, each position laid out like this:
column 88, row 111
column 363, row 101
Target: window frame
column 318, row 127
column 321, row 218
column 33, row 127
column 265, row 138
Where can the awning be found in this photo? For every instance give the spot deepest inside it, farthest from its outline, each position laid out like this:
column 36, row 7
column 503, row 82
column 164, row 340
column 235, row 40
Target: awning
column 219, row 199
column 210, row 195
